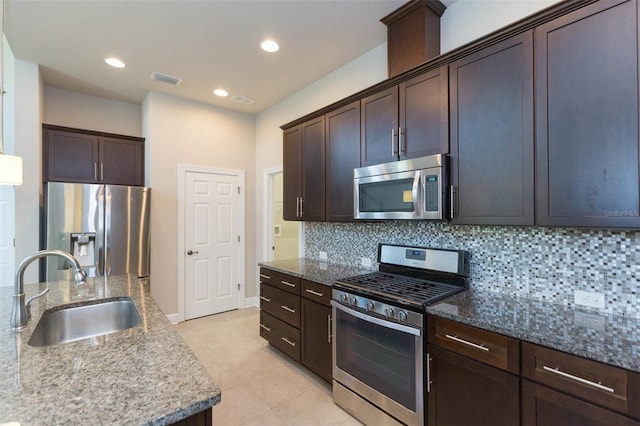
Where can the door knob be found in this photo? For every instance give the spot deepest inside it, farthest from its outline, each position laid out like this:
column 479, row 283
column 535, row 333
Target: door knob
column 191, row 252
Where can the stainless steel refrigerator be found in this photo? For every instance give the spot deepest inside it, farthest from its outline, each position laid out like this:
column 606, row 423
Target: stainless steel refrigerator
column 106, row 227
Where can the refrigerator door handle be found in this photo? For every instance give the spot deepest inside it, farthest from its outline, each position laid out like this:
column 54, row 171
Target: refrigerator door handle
column 107, row 230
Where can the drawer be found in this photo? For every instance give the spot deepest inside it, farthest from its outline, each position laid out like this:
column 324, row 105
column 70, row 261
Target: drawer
column 481, row 345
column 601, row 384
column 280, row 334
column 319, row 293
column 285, row 282
column 280, row 304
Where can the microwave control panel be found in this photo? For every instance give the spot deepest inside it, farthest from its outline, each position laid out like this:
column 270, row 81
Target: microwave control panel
column 431, row 193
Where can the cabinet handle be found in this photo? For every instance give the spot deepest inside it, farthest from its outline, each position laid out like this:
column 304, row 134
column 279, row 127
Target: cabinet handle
column 265, row 327
column 265, row 299
column 429, row 382
column 329, row 329
column 578, row 379
column 288, row 283
column 400, row 133
column 286, row 308
column 266, row 277
column 315, row 293
column 453, row 202
column 101, row 171
column 301, row 207
column 95, row 171
column 289, row 341
column 393, row 142
column 457, row 339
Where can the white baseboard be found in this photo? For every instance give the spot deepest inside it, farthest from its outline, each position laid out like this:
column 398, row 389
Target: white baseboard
column 173, row 318
column 252, row 301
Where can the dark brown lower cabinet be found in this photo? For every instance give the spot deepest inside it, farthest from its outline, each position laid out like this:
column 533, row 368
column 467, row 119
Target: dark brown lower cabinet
column 543, row 406
column 316, row 338
column 466, row 392
column 203, row 418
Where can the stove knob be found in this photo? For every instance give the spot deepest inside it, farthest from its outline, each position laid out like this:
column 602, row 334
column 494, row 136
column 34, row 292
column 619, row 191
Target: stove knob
column 344, row 298
column 353, row 301
column 370, row 306
column 389, row 312
column 402, row 316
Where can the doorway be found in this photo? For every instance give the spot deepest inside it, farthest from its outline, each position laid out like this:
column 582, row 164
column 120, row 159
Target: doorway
column 282, row 238
column 211, row 222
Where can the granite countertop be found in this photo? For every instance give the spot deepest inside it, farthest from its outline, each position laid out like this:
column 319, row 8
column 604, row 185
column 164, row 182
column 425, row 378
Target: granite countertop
column 143, row 375
column 610, row 339
column 316, row 271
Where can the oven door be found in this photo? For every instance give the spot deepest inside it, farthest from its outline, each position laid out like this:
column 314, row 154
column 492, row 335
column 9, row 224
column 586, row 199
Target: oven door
column 388, row 196
column 381, row 361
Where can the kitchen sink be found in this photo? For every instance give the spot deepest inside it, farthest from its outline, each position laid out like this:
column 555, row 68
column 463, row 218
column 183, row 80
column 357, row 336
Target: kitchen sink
column 68, row 323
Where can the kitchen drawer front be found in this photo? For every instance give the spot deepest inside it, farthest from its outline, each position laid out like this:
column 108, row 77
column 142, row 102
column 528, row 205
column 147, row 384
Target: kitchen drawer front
column 280, row 304
column 285, row 282
column 319, row 293
column 280, row 334
column 484, row 346
column 601, row 384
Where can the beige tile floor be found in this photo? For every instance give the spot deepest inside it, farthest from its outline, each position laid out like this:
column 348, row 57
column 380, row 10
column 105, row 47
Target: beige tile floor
column 260, row 385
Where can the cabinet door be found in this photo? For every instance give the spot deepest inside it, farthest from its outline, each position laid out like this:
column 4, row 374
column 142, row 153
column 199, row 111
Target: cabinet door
column 316, row 338
column 379, row 124
column 544, row 406
column 70, row 157
column 424, row 115
column 492, row 151
column 313, row 160
column 466, row 392
column 587, row 117
column 121, row 162
column 343, row 155
column 292, row 172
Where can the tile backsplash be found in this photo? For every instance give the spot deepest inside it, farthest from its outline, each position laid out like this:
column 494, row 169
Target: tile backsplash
column 539, row 263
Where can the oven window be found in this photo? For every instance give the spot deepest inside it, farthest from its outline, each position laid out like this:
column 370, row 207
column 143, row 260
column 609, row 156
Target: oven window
column 387, row 196
column 382, row 358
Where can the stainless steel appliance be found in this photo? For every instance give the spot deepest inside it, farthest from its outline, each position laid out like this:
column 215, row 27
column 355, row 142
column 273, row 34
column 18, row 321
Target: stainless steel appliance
column 105, row 227
column 379, row 331
column 408, row 189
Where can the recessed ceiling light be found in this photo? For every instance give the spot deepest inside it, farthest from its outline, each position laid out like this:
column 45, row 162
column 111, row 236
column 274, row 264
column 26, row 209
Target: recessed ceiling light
column 115, row 62
column 221, row 92
column 270, row 46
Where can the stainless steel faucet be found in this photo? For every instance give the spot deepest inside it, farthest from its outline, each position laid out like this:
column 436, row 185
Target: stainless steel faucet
column 22, row 311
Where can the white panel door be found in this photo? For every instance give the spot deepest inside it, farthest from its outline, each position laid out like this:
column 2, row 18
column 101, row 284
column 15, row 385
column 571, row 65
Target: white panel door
column 7, row 233
column 211, row 244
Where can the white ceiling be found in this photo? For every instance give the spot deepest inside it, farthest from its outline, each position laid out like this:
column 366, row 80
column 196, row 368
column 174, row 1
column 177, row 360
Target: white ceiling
column 207, row 43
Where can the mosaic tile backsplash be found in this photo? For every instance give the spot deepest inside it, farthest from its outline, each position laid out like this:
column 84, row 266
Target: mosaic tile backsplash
column 540, row 263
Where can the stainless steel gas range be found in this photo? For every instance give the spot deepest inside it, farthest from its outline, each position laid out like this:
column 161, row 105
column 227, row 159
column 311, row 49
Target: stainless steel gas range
column 379, row 332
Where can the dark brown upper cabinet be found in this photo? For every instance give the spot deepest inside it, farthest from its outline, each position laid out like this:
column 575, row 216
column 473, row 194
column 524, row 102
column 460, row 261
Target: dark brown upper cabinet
column 587, row 117
column 343, row 155
column 82, row 156
column 406, row 121
column 304, row 171
column 492, row 150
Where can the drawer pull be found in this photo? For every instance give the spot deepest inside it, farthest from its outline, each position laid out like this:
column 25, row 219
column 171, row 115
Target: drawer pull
column 288, row 283
column 578, row 379
column 289, row 341
column 457, row 339
column 266, row 277
column 265, row 327
column 286, row 308
column 315, row 293
column 265, row 299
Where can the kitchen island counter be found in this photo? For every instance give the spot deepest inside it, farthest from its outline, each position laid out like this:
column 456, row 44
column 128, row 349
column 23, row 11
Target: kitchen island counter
column 143, row 375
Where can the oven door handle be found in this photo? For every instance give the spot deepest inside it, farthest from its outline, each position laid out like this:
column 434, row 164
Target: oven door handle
column 376, row 320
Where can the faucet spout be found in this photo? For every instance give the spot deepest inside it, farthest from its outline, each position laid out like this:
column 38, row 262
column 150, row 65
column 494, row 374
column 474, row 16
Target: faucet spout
column 21, row 312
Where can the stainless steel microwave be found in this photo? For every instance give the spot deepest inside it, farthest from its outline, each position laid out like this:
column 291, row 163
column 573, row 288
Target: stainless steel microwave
column 408, row 189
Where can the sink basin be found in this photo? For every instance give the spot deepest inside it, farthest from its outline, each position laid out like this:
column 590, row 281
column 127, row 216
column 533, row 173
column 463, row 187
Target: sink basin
column 68, row 323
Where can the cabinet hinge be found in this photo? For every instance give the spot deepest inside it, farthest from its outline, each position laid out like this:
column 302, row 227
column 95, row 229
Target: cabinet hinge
column 238, row 286
column 238, row 190
column 238, row 238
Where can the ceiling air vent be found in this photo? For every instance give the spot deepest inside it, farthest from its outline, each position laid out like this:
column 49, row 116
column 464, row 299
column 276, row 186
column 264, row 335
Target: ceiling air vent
column 166, row 78
column 242, row 99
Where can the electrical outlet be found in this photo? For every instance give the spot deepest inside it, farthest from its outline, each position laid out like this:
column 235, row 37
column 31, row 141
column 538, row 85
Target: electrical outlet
column 588, row 298
column 591, row 321
column 366, row 262
column 323, row 255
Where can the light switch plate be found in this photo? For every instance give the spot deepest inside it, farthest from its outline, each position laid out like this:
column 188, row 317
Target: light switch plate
column 366, row 262
column 589, row 298
column 323, row 255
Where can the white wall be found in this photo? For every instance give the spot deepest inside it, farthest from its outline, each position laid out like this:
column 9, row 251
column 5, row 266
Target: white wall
column 72, row 109
column 179, row 131
column 467, row 20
